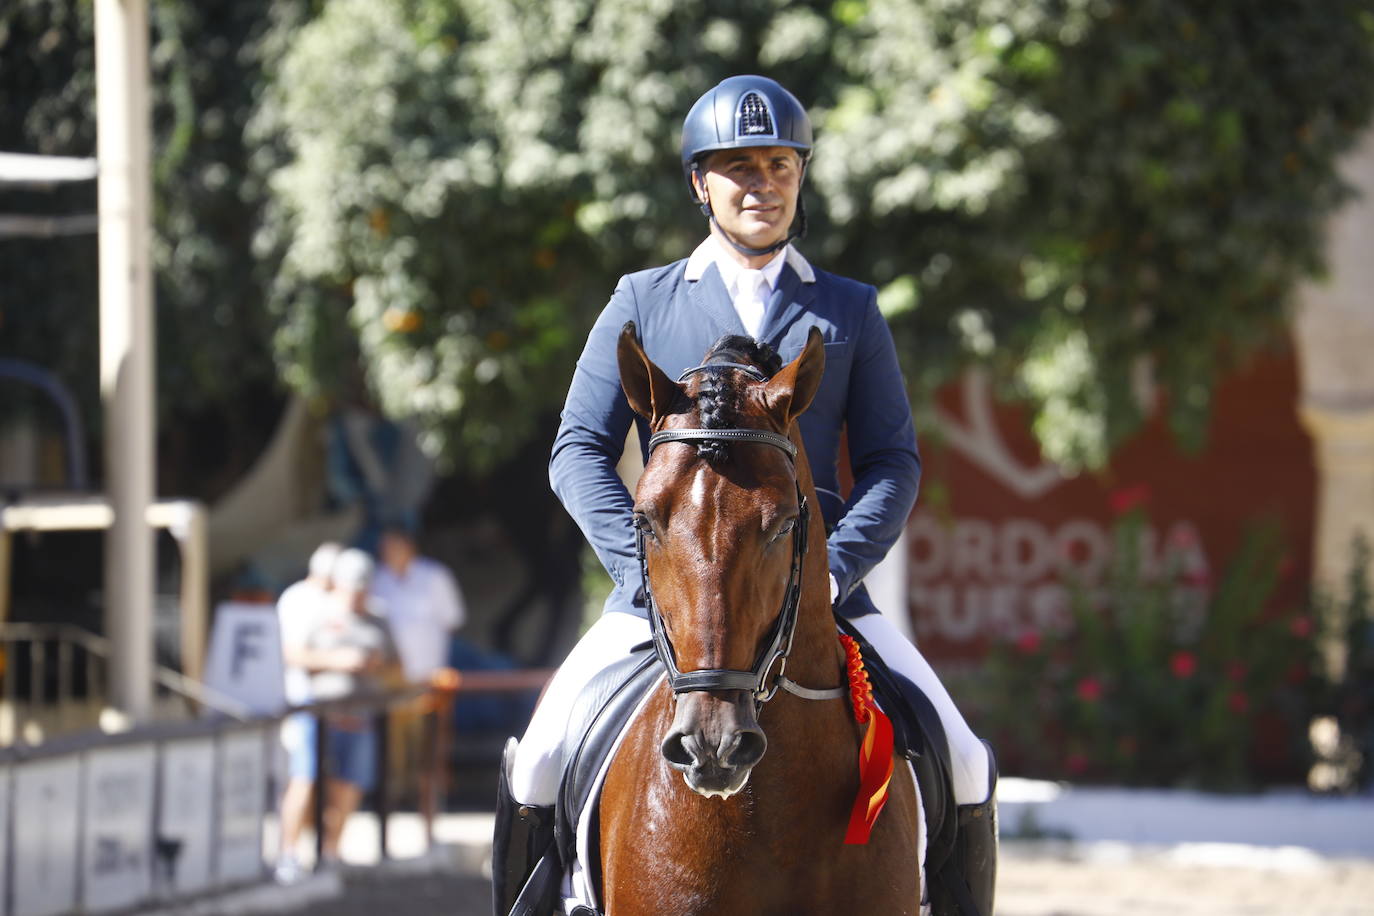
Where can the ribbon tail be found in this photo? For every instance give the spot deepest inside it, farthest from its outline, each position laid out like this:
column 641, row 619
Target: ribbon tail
column 875, row 777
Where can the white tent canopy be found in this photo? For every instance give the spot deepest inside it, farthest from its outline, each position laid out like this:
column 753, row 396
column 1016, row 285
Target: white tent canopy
column 24, row 168
column 45, row 171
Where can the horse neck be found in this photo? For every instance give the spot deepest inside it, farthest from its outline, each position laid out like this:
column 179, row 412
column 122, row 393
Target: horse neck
column 816, row 654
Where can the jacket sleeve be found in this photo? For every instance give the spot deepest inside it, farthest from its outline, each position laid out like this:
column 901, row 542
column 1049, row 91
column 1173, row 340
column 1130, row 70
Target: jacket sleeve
column 591, row 437
column 882, row 455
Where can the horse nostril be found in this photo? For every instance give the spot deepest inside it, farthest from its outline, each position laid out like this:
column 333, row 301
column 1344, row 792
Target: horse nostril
column 679, row 750
column 746, row 749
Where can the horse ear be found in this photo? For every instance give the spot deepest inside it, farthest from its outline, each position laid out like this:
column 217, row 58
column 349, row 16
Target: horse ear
column 791, row 390
column 648, row 389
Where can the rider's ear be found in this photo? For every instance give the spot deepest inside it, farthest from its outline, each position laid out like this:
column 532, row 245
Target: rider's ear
column 699, row 184
column 789, row 393
column 648, row 389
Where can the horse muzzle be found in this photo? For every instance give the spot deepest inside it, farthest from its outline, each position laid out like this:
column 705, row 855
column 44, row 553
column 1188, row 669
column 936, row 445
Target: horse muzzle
column 715, row 741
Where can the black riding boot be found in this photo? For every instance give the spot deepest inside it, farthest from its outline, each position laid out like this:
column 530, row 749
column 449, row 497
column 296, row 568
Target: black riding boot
column 970, row 875
column 525, row 869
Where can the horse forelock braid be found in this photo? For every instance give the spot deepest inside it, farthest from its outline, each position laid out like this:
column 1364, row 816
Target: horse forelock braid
column 718, row 400
column 736, row 348
column 717, row 405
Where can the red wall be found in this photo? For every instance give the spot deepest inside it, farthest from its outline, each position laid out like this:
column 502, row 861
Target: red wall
column 988, row 559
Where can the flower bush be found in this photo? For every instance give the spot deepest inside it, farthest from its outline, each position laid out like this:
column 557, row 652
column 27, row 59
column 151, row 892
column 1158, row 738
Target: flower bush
column 1161, row 679
column 1344, row 741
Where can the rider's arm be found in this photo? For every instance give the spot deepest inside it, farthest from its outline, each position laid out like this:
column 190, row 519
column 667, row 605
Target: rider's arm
column 591, row 437
column 882, row 456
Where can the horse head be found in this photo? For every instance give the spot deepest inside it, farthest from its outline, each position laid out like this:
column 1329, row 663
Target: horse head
column 721, row 522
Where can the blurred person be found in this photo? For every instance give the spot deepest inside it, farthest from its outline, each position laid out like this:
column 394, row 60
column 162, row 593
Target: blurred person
column 745, row 148
column 299, row 609
column 421, row 600
column 350, row 653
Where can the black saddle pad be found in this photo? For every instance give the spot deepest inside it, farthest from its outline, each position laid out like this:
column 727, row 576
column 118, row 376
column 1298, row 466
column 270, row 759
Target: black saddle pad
column 599, row 715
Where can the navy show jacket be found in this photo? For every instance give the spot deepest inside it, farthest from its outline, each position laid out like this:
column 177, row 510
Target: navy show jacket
column 680, row 310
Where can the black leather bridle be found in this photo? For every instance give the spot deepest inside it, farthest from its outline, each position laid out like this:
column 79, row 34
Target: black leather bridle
column 779, row 645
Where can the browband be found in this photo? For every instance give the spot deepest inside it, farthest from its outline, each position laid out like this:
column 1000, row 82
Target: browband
column 752, row 371
column 725, row 435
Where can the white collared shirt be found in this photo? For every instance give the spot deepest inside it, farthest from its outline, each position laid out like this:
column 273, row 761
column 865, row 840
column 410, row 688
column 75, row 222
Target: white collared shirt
column 712, row 251
column 423, row 606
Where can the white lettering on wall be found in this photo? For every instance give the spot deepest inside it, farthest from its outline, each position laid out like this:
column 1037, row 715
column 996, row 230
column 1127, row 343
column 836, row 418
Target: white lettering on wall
column 973, row 577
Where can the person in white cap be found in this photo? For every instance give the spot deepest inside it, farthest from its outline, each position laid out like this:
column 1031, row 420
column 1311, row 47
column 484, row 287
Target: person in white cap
column 351, row 654
column 298, row 609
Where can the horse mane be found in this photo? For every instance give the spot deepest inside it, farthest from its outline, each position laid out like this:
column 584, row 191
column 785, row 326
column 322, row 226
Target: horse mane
column 718, row 400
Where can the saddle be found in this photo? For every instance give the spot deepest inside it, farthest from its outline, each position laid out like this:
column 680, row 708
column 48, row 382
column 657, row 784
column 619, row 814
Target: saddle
column 605, row 706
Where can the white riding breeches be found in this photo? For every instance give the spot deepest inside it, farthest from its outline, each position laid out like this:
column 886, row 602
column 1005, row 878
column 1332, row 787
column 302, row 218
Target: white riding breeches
column 538, row 764
column 968, row 756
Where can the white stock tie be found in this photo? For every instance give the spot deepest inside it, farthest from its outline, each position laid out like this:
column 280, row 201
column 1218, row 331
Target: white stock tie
column 751, row 300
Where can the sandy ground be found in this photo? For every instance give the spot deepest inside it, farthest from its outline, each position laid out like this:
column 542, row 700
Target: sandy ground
column 1181, row 881
column 1035, row 880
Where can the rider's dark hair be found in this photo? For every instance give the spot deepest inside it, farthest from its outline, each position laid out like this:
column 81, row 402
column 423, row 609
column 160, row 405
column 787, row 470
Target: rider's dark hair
column 718, row 401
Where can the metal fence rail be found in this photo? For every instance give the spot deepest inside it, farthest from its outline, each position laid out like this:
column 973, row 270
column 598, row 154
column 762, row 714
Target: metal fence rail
column 52, row 681
column 172, row 811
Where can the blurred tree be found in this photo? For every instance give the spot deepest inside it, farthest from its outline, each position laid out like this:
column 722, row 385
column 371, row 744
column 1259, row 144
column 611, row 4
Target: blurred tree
column 1083, row 194
column 215, row 371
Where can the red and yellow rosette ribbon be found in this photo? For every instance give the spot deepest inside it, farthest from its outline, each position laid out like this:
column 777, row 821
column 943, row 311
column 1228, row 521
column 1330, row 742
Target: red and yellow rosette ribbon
column 875, row 751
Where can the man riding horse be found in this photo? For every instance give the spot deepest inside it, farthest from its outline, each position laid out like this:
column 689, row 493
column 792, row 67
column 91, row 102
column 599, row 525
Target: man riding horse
column 745, row 147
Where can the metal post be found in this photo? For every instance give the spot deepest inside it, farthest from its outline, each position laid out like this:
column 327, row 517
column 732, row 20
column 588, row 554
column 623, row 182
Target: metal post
column 195, row 590
column 317, row 806
column 126, row 344
column 6, row 551
column 186, row 521
column 382, row 724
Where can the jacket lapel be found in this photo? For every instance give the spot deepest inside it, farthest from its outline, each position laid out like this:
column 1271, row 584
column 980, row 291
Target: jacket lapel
column 788, row 302
column 710, row 296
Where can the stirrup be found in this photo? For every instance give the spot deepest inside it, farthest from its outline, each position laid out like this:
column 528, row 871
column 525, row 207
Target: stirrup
column 525, row 867
column 969, row 877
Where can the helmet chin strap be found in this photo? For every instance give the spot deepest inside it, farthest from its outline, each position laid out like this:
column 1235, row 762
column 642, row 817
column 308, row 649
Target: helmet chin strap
column 796, row 233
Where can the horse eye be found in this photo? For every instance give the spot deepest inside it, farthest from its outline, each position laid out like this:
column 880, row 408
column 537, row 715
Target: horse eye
column 785, row 530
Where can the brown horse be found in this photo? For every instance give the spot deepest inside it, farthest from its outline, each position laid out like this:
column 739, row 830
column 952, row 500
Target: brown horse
column 695, row 817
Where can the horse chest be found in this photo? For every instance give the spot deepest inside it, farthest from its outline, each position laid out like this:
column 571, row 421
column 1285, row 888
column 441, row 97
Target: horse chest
column 766, row 850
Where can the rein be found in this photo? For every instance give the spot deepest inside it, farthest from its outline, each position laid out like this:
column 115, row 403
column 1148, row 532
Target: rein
column 754, row 680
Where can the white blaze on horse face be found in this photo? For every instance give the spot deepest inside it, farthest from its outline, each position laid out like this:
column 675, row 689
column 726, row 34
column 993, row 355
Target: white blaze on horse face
column 698, row 491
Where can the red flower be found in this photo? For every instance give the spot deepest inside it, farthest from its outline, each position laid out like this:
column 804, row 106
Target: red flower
column 1076, row 763
column 1089, row 690
column 1197, row 578
column 1183, row 664
column 1124, row 499
column 1028, row 643
column 1300, row 627
column 1238, row 703
column 1236, row 671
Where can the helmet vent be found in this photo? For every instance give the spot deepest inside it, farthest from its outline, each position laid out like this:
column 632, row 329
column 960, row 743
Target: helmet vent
column 754, row 117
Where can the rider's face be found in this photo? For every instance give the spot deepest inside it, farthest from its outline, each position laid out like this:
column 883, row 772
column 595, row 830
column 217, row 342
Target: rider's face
column 753, row 192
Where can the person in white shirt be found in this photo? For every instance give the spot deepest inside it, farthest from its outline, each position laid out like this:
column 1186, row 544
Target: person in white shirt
column 421, row 600
column 298, row 612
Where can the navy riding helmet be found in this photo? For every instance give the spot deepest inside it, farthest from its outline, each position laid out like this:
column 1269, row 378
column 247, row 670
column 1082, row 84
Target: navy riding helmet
column 744, row 111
